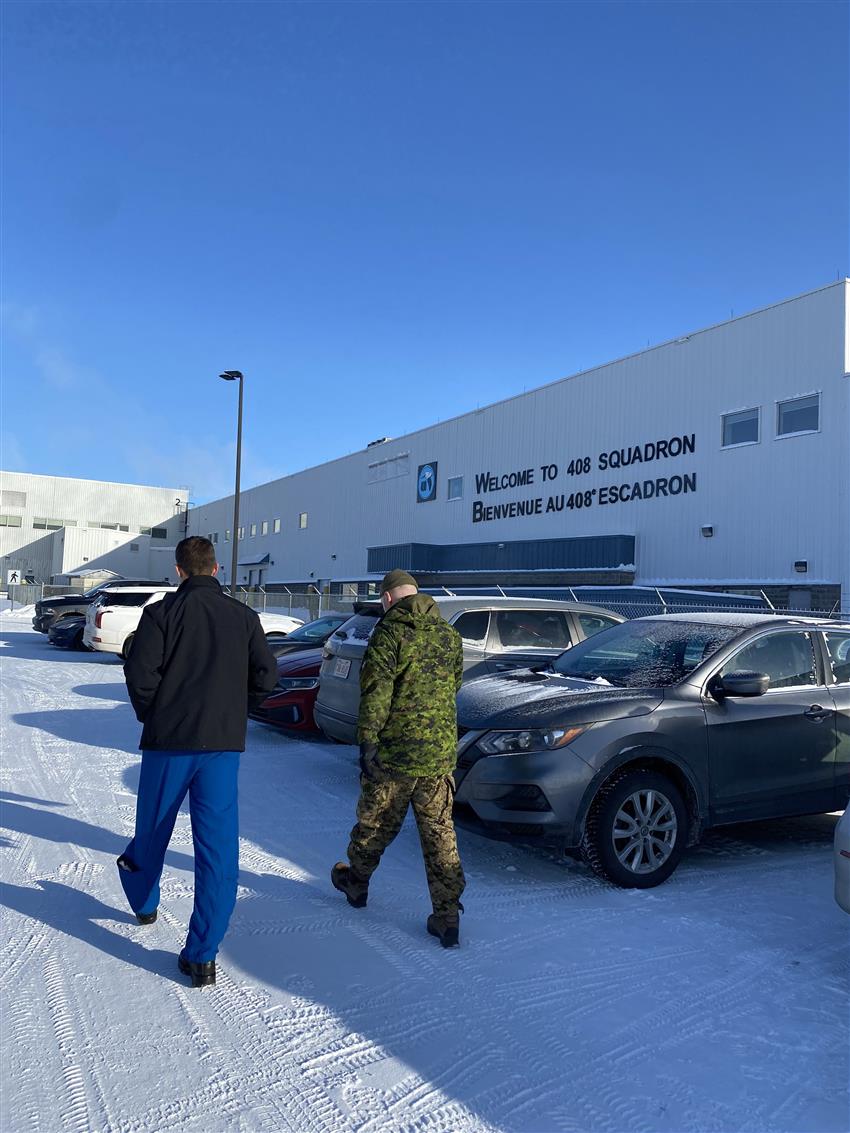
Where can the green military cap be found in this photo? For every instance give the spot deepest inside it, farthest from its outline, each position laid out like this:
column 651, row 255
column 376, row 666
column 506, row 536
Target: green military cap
column 396, row 578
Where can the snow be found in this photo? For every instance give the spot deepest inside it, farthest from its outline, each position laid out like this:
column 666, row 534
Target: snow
column 716, row 1003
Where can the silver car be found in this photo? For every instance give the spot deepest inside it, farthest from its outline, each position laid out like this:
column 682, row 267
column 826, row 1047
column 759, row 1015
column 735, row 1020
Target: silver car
column 842, row 862
column 499, row 634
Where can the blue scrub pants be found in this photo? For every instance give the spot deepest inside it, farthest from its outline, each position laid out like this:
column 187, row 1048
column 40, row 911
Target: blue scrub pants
column 210, row 777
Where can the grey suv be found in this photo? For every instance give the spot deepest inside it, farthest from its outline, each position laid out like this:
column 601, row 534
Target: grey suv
column 631, row 744
column 499, row 634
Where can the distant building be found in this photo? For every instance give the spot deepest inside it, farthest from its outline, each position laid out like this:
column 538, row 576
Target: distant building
column 720, row 459
column 53, row 527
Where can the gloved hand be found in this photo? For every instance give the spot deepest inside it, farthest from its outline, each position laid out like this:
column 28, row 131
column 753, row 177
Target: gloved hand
column 370, row 765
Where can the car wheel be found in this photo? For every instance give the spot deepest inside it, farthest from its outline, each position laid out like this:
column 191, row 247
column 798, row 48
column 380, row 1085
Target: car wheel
column 636, row 830
column 128, row 645
column 78, row 644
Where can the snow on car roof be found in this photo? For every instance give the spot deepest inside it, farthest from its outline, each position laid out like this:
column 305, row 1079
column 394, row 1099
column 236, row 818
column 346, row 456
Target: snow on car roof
column 744, row 619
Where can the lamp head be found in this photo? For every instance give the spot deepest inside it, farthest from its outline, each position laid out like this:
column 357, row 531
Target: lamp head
column 231, row 375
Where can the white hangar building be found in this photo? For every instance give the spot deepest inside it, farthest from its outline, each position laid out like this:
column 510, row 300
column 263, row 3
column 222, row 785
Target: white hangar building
column 53, row 527
column 720, row 459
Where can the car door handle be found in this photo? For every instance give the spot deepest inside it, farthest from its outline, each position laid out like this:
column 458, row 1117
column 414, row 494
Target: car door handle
column 817, row 713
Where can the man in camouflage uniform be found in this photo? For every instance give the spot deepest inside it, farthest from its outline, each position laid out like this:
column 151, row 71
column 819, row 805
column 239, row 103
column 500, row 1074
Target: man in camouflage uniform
column 407, row 731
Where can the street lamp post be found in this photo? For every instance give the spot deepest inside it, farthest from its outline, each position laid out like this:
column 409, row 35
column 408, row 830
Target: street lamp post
column 235, row 376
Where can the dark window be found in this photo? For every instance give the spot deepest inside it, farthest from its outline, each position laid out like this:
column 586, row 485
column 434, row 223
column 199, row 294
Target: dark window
column 802, row 415
column 593, row 623
column 159, row 533
column 124, row 598
column 473, row 627
column 532, row 629
column 838, row 647
column 741, row 428
column 787, row 658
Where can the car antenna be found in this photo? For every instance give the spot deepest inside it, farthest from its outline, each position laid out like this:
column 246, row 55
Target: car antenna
column 501, row 591
column 450, row 593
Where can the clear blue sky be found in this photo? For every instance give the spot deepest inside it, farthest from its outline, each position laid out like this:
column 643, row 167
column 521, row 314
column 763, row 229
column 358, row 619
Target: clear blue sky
column 386, row 214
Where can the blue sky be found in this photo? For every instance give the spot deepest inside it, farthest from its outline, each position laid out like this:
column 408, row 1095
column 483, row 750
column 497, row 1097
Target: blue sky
column 386, row 214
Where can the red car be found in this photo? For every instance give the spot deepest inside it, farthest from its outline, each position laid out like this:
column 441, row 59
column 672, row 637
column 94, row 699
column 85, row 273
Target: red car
column 290, row 706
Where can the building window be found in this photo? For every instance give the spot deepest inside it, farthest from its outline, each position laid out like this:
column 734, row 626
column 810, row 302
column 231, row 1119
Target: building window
column 801, row 415
column 134, row 547
column 124, row 527
column 144, row 531
column 241, row 534
column 740, row 428
column 455, row 488
column 70, row 523
column 276, row 526
column 264, row 527
column 227, row 536
column 10, row 521
column 159, row 533
column 43, row 524
column 302, row 520
column 215, row 537
column 39, row 523
column 253, row 529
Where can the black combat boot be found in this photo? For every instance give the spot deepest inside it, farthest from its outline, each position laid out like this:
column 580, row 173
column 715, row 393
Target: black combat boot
column 356, row 890
column 446, row 926
column 146, row 918
column 202, row 975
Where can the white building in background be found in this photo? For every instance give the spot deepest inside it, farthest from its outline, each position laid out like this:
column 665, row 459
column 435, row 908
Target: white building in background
column 55, row 526
column 720, row 459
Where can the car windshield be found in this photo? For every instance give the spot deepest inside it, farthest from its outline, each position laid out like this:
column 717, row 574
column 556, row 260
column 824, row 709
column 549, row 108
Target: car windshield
column 319, row 629
column 648, row 653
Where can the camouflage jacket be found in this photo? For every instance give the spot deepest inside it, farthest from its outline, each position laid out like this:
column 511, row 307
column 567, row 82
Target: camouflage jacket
column 410, row 677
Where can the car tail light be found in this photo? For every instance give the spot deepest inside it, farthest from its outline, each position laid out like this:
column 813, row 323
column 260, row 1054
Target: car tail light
column 98, row 619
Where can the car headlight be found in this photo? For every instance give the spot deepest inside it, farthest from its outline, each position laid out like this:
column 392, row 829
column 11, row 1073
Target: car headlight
column 518, row 742
column 286, row 684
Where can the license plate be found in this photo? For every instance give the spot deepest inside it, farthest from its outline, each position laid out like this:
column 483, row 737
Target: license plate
column 341, row 667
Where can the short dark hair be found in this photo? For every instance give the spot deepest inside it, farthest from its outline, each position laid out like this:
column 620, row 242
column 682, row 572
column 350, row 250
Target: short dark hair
column 195, row 555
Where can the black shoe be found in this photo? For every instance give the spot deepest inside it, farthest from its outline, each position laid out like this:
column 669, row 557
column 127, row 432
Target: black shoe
column 127, row 864
column 146, row 918
column 203, row 975
column 446, row 926
column 346, row 881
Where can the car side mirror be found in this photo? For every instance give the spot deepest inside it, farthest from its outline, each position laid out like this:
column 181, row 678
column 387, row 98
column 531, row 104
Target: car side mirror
column 739, row 684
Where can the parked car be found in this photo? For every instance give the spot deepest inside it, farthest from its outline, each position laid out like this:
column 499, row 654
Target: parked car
column 291, row 704
column 67, row 633
column 842, row 861
column 112, row 620
column 276, row 626
column 499, row 634
column 310, row 635
column 631, row 744
column 50, row 610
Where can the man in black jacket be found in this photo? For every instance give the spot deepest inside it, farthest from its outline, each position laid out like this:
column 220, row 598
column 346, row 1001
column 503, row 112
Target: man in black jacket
column 197, row 657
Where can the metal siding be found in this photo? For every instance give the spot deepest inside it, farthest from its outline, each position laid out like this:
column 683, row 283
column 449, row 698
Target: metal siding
column 766, row 502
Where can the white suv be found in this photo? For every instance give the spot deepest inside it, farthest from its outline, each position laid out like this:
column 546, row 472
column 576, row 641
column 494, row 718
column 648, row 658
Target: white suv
column 112, row 619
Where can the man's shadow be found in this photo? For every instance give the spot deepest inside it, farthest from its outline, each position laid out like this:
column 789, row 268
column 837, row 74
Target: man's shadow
column 76, row 913
column 62, row 828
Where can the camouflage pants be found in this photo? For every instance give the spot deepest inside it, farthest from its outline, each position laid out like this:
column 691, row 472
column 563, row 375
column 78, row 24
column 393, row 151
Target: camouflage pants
column 381, row 810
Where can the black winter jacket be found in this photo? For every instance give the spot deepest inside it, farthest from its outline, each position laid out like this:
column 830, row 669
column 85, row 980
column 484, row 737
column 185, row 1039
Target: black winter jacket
column 197, row 658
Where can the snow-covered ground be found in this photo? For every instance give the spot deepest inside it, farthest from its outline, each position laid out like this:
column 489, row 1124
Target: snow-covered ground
column 718, row 1002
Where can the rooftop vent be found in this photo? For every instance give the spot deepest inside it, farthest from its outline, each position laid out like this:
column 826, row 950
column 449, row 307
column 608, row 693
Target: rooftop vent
column 379, row 441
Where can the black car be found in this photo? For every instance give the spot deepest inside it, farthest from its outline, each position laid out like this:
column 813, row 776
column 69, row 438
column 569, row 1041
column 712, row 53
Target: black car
column 67, row 633
column 50, row 610
column 309, row 636
column 633, row 742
